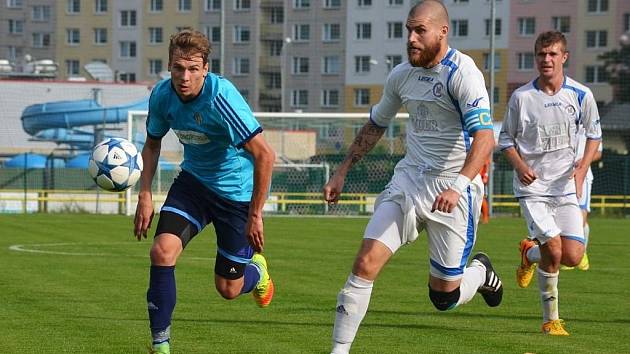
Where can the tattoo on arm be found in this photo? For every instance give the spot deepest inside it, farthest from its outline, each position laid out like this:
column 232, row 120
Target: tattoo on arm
column 365, row 140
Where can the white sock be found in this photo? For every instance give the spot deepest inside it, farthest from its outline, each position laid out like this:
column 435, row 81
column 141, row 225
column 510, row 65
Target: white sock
column 352, row 304
column 533, row 254
column 474, row 277
column 587, row 231
column 548, row 285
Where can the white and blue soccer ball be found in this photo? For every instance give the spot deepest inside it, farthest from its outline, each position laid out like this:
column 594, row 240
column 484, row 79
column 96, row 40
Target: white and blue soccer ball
column 115, row 164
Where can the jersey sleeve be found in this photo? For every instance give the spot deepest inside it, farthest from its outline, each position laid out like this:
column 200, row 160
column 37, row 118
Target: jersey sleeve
column 241, row 124
column 385, row 110
column 469, row 90
column 590, row 117
column 509, row 129
column 157, row 125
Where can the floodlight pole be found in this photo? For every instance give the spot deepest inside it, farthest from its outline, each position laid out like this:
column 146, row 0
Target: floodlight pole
column 493, row 16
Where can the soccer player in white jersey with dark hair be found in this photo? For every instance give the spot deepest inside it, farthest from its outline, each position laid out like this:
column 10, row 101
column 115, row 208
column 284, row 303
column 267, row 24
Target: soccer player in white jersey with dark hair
column 436, row 185
column 539, row 138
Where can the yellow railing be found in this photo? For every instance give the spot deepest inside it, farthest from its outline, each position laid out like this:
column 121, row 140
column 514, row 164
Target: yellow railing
column 365, row 201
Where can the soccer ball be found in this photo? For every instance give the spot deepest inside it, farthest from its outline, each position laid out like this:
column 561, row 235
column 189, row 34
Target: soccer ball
column 115, row 164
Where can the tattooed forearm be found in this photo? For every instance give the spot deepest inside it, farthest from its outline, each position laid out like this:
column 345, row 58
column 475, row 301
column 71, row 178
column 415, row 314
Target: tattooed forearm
column 365, row 140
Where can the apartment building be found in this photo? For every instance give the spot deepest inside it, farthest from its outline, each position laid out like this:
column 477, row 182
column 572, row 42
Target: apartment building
column 470, row 30
column 27, row 29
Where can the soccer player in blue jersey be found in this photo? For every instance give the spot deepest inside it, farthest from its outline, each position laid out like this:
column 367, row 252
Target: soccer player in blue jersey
column 436, row 186
column 224, row 180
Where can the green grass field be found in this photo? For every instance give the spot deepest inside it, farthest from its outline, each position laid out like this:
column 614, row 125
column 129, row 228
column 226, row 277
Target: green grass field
column 84, row 292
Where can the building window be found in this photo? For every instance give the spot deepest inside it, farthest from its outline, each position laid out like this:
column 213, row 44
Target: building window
column 561, row 23
column 41, row 13
column 596, row 39
column 495, row 98
column 155, row 35
column 100, row 35
column 100, row 6
column 241, row 34
column 241, row 66
column 497, row 27
column 73, row 36
column 276, row 16
column 459, row 28
column 299, row 98
column 275, row 48
column 242, row 4
column 184, row 5
column 156, row 5
column 127, row 77
column 331, row 32
column 14, row 4
column 460, row 1
column 392, row 60
column 394, row 30
column 525, row 61
column 155, row 66
column 274, row 81
column 300, row 65
column 362, row 64
column 364, row 30
column 301, row 32
column 214, row 33
column 41, row 40
column 332, row 4
column 331, row 65
column 364, row 3
column 330, row 98
column 597, row 6
column 361, row 97
column 626, row 22
column 72, row 67
column 596, row 74
column 526, row 26
column 73, row 6
column 212, row 5
column 127, row 49
column 395, row 2
column 16, row 26
column 301, row 4
column 128, row 18
column 215, row 65
column 486, row 61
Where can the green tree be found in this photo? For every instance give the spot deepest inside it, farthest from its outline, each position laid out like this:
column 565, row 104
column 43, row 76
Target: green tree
column 617, row 64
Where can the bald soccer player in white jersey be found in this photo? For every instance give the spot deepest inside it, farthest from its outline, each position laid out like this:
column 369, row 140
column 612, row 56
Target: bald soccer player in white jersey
column 539, row 138
column 436, row 185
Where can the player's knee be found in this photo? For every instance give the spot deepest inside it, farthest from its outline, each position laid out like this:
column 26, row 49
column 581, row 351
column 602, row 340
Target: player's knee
column 364, row 267
column 443, row 300
column 571, row 260
column 161, row 255
column 228, row 292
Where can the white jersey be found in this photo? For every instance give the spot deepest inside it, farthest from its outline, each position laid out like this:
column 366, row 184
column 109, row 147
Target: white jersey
column 544, row 130
column 581, row 145
column 446, row 103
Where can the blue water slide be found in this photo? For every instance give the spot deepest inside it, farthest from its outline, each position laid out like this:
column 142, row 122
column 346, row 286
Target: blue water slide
column 60, row 121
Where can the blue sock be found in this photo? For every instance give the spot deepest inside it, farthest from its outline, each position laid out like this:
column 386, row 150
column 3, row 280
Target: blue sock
column 161, row 301
column 250, row 278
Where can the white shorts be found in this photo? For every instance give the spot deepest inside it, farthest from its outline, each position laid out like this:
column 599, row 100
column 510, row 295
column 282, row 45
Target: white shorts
column 404, row 208
column 548, row 217
column 585, row 200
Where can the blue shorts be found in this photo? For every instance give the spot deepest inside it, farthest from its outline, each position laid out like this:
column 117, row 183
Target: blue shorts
column 190, row 206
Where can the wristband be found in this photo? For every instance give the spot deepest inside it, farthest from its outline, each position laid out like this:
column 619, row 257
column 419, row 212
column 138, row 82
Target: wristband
column 460, row 184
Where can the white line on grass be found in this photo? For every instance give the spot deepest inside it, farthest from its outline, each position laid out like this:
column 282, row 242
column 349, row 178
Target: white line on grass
column 31, row 248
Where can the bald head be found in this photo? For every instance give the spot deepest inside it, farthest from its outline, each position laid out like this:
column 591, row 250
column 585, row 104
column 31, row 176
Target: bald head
column 432, row 9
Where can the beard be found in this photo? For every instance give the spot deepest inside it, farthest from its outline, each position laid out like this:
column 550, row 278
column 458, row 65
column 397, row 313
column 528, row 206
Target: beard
column 426, row 56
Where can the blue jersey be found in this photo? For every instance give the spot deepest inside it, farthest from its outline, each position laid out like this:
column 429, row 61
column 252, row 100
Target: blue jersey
column 213, row 129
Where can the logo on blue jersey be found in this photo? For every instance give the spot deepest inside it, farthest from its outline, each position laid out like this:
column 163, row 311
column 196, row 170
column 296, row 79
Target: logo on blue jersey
column 198, row 118
column 438, row 89
column 474, row 103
